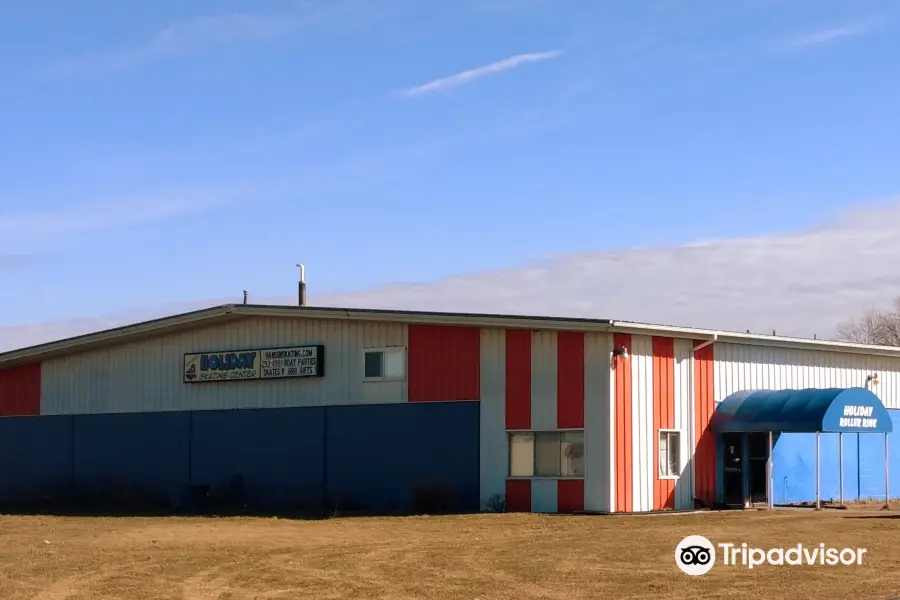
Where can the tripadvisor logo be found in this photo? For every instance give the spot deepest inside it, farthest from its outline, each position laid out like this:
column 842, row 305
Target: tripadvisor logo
column 696, row 555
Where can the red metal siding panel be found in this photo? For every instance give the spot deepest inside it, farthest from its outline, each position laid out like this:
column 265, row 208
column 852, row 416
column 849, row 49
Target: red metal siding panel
column 20, row 391
column 444, row 363
column 663, row 413
column 518, row 495
column 570, row 380
column 705, row 454
column 624, row 454
column 570, row 495
column 518, row 379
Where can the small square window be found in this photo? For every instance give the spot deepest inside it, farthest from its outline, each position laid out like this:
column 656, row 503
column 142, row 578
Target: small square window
column 384, row 364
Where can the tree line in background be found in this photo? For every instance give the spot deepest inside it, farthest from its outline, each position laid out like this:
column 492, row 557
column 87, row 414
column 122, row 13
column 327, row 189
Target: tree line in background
column 876, row 327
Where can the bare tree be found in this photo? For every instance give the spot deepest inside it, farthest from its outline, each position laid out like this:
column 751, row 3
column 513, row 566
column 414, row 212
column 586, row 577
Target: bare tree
column 876, row 327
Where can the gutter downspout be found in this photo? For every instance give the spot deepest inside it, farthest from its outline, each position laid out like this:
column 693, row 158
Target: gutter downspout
column 693, row 424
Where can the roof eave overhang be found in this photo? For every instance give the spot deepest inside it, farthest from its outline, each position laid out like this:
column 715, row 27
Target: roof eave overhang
column 427, row 318
column 126, row 333
column 218, row 314
column 752, row 339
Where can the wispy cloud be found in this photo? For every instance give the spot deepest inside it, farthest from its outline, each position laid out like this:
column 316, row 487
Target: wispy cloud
column 830, row 35
column 24, row 228
column 183, row 37
column 507, row 64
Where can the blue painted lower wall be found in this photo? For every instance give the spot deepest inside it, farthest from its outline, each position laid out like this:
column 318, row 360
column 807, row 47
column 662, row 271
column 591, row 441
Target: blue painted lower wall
column 863, row 466
column 409, row 457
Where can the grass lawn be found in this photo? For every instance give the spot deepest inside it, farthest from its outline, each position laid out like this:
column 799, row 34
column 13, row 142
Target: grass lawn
column 468, row 557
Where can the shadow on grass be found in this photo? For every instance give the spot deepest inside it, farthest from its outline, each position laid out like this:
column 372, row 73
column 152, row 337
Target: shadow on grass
column 306, row 515
column 876, row 516
column 119, row 498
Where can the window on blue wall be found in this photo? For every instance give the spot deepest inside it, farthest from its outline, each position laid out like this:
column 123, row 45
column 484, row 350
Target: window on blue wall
column 546, row 453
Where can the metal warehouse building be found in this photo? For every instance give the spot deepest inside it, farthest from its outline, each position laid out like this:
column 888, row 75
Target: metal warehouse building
column 374, row 410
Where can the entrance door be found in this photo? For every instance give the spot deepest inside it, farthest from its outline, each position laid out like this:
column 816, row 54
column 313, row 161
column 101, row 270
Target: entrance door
column 733, row 465
column 759, row 458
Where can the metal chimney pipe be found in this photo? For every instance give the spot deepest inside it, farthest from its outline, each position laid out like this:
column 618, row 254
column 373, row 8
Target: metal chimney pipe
column 245, row 296
column 301, row 286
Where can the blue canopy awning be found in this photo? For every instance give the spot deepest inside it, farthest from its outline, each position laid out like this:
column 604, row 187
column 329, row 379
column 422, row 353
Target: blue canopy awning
column 849, row 410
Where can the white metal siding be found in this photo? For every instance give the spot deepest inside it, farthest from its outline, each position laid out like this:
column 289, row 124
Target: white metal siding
column 684, row 418
column 747, row 367
column 544, row 496
column 147, row 375
column 543, row 380
column 644, row 467
column 494, row 446
column 597, row 422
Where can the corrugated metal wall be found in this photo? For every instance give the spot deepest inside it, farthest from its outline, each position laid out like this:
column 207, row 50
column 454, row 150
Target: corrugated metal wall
column 644, row 467
column 380, row 457
column 795, row 463
column 135, row 453
column 146, row 376
column 20, row 390
column 623, row 454
column 743, row 367
column 684, row 415
column 444, row 363
column 278, row 454
column 35, row 457
column 494, row 446
column 360, row 457
column 598, row 441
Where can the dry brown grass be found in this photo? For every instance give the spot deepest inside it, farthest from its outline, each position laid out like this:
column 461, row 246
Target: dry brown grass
column 468, row 557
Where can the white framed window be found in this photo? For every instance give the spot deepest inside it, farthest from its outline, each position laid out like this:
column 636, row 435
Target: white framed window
column 669, row 459
column 384, row 364
column 546, row 453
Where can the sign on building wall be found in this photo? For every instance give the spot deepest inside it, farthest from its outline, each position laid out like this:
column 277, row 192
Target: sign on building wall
column 268, row 363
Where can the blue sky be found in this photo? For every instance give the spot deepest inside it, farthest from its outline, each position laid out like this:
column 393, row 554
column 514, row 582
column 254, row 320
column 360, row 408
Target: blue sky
column 174, row 151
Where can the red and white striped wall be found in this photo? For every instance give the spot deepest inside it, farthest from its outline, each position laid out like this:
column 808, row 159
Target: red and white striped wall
column 550, row 381
column 658, row 387
column 545, row 381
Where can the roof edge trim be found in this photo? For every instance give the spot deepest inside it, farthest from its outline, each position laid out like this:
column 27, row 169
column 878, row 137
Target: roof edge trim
column 110, row 336
column 754, row 339
column 174, row 322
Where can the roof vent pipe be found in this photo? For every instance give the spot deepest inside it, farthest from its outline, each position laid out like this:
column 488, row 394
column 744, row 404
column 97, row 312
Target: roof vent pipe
column 301, row 286
column 245, row 296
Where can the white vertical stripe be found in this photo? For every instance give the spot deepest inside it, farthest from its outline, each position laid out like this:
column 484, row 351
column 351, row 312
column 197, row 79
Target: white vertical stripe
column 598, row 439
column 642, row 421
column 684, row 487
column 494, row 447
column 543, row 380
column 544, row 496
